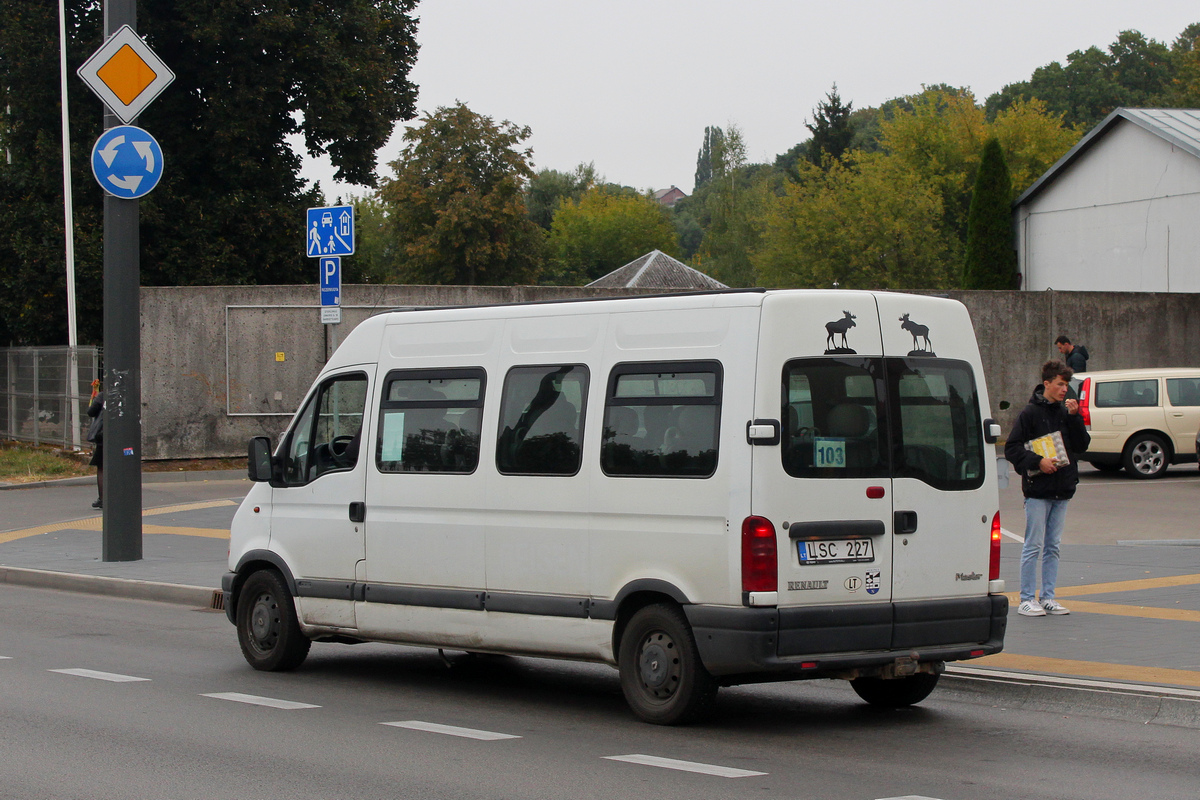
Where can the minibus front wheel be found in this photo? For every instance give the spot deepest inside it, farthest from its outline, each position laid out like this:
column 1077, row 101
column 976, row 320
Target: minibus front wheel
column 268, row 630
column 661, row 674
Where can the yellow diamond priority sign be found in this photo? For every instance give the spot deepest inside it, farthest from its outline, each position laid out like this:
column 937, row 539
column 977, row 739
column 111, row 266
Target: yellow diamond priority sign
column 126, row 74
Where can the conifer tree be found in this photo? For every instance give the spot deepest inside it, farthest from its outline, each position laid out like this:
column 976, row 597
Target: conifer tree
column 991, row 260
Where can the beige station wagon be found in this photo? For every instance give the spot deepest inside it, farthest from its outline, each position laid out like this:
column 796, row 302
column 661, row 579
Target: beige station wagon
column 1141, row 419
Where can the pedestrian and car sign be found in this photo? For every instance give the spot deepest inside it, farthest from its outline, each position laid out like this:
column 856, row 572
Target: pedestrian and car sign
column 127, row 162
column 330, row 231
column 126, row 74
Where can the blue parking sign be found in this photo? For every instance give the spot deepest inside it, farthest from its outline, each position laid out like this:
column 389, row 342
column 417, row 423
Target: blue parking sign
column 331, row 281
column 330, row 231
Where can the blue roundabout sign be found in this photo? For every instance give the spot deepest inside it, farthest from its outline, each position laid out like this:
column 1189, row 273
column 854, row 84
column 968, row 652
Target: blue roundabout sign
column 127, row 162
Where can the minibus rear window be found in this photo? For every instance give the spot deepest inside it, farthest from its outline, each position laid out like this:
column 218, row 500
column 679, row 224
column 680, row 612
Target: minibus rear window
column 831, row 419
column 662, row 420
column 939, row 435
column 430, row 421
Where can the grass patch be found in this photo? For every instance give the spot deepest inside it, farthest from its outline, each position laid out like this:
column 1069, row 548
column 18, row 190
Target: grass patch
column 21, row 462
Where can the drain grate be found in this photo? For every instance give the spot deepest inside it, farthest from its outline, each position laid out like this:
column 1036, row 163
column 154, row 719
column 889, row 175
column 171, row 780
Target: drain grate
column 218, row 600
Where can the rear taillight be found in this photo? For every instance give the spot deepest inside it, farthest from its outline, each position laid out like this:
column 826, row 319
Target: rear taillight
column 760, row 565
column 1085, row 406
column 994, row 555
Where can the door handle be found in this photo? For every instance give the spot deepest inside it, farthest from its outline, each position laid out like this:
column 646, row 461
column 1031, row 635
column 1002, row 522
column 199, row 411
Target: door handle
column 358, row 511
column 904, row 522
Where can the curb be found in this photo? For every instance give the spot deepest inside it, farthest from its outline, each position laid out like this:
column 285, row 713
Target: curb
column 195, row 596
column 1065, row 694
column 147, row 477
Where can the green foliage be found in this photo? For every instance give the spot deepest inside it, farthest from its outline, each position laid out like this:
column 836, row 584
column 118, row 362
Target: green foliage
column 709, row 148
column 603, row 231
column 456, row 204
column 991, row 260
column 876, row 225
column 831, row 130
column 229, row 209
column 374, row 259
column 1133, row 72
column 549, row 188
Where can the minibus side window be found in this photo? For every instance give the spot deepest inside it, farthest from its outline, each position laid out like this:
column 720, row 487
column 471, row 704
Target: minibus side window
column 662, row 419
column 541, row 420
column 831, row 419
column 328, row 432
column 430, row 421
column 939, row 434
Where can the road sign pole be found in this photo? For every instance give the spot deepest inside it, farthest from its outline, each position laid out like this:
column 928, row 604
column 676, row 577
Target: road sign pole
column 122, row 537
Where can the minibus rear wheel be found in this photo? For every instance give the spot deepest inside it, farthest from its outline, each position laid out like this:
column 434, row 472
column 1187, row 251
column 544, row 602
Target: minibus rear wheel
column 661, row 674
column 895, row 692
column 268, row 630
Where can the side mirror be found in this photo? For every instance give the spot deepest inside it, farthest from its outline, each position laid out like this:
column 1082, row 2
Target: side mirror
column 991, row 430
column 258, row 463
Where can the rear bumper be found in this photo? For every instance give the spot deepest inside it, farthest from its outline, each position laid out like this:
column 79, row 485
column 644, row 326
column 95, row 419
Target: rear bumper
column 750, row 644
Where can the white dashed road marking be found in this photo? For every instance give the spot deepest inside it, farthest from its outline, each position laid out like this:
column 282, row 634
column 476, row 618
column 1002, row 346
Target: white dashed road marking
column 255, row 700
column 451, row 730
column 909, row 797
column 685, row 766
column 101, row 676
column 1015, row 538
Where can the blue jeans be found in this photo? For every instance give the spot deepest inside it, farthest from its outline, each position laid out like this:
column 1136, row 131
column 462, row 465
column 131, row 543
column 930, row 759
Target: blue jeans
column 1044, row 521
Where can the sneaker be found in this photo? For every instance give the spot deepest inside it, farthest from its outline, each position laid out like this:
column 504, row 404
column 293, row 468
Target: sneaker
column 1052, row 607
column 98, row 503
column 1031, row 608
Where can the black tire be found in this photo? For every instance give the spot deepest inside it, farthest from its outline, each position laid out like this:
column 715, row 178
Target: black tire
column 896, row 692
column 1106, row 466
column 1146, row 456
column 267, row 627
column 661, row 674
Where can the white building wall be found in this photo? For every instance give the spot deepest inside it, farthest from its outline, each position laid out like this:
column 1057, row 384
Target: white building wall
column 1124, row 217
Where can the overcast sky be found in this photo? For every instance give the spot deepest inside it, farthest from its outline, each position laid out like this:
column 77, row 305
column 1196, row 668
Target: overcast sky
column 631, row 84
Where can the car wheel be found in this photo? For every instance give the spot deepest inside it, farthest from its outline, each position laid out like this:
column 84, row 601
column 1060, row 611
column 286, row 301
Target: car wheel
column 895, row 692
column 661, row 674
column 268, row 630
column 1145, row 456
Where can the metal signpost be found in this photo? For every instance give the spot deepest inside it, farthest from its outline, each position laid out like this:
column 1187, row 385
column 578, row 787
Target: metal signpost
column 127, row 162
column 329, row 235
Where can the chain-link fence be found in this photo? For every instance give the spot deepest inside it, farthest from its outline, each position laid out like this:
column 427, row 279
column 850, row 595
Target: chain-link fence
column 44, row 393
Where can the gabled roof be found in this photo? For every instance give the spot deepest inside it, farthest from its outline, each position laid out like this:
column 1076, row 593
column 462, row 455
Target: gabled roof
column 1179, row 126
column 656, row 269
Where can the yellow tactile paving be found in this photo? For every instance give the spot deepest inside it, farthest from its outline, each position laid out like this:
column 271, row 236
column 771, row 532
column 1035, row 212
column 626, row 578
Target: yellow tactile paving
column 97, row 523
column 1090, row 669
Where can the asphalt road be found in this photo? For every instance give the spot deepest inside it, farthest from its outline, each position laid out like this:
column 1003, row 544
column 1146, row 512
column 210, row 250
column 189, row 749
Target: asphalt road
column 144, row 710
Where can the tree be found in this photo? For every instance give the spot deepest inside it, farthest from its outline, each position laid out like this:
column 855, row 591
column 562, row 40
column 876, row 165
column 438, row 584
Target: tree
column 1185, row 88
column 831, row 130
column 991, row 260
column 549, row 188
column 603, row 231
column 231, row 203
column 873, row 225
column 456, row 204
column 713, row 136
column 374, row 259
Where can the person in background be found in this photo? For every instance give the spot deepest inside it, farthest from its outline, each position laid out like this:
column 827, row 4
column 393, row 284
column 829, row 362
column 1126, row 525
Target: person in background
column 1076, row 355
column 95, row 435
column 1047, row 485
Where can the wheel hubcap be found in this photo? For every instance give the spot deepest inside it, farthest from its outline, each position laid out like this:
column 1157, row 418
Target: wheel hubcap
column 1148, row 458
column 658, row 665
column 264, row 622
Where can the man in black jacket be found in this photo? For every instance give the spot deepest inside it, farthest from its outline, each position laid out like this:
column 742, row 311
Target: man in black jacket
column 1046, row 483
column 1076, row 355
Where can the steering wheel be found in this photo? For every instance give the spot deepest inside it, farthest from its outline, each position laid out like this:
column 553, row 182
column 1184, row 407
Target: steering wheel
column 339, row 448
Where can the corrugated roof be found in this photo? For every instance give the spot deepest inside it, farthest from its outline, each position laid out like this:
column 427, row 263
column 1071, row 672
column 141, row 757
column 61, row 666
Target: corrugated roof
column 656, row 269
column 1179, row 126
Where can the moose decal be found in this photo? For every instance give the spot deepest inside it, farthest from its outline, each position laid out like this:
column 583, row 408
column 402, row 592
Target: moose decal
column 918, row 331
column 839, row 326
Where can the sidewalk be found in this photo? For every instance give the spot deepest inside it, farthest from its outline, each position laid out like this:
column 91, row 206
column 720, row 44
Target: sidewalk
column 1131, row 642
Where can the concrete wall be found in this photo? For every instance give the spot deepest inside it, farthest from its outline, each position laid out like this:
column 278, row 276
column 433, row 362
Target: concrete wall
column 212, row 378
